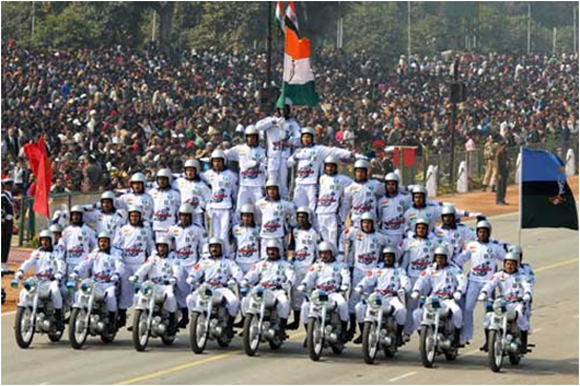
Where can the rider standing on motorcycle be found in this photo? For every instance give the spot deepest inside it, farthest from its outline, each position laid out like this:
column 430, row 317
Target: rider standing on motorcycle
column 78, row 239
column 188, row 239
column 107, row 217
column 217, row 272
column 516, row 290
column 162, row 268
column 48, row 265
column 277, row 275
column 135, row 241
column 138, row 197
column 454, row 234
column 106, row 269
column 193, row 190
column 305, row 239
column 331, row 276
column 166, row 202
column 247, row 239
column 392, row 208
column 446, row 282
column 484, row 255
column 392, row 283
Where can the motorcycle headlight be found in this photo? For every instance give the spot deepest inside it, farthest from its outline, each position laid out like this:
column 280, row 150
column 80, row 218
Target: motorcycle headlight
column 30, row 285
column 319, row 297
column 499, row 306
column 432, row 303
column 147, row 288
column 86, row 287
column 375, row 301
column 258, row 293
column 204, row 292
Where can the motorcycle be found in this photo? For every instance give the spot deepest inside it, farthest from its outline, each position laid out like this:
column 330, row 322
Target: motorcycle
column 437, row 332
column 504, row 336
column 36, row 313
column 209, row 320
column 324, row 326
column 150, row 318
column 379, row 329
column 262, row 323
column 90, row 316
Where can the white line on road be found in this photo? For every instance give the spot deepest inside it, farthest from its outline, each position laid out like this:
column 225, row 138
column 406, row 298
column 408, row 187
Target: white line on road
column 402, row 376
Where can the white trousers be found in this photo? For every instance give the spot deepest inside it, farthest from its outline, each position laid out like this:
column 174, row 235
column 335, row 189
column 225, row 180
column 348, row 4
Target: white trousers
column 232, row 301
column 335, row 297
column 400, row 312
column 456, row 317
column 305, row 195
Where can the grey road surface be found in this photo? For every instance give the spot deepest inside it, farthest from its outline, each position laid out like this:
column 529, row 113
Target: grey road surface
column 553, row 253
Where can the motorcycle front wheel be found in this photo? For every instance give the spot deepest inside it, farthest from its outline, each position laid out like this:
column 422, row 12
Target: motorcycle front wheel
column 23, row 328
column 197, row 332
column 140, row 333
column 494, row 351
column 427, row 346
column 370, row 344
column 315, row 339
column 251, row 335
column 78, row 330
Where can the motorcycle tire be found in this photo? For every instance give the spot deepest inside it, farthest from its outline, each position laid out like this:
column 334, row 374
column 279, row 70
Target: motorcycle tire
column 250, row 345
column 314, row 348
column 140, row 338
column 23, row 339
column 197, row 343
column 426, row 346
column 369, row 348
column 77, row 338
column 494, row 351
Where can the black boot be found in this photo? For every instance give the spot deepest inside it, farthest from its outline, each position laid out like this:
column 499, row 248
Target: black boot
column 111, row 326
column 305, row 344
column 485, row 344
column 282, row 332
column 343, row 331
column 122, row 320
column 240, row 324
column 59, row 319
column 352, row 327
column 400, row 328
column 358, row 339
column 296, row 322
column 230, row 331
column 184, row 318
column 524, row 339
column 457, row 337
column 172, row 325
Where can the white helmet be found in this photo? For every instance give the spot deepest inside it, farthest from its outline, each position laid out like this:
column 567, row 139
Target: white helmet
column 77, row 208
column 216, row 240
column 46, row 234
column 307, row 130
column 390, row 249
column 305, row 209
column 192, row 163
column 512, row 256
column 368, row 216
column 251, row 130
column 441, row 250
column 447, row 210
column 217, row 153
column 104, row 235
column 392, row 177
column 483, row 224
column 138, row 177
column 272, row 183
column 164, row 173
column 326, row 246
column 163, row 240
column 54, row 228
column 186, row 208
column 273, row 244
column 362, row 164
column 331, row 159
column 108, row 195
column 516, row 250
column 134, row 208
column 421, row 220
column 420, row 189
column 247, row 208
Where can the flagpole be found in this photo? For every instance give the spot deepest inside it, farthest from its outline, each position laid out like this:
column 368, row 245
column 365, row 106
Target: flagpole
column 521, row 167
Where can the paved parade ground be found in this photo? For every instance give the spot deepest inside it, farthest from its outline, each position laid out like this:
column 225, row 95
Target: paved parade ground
column 552, row 252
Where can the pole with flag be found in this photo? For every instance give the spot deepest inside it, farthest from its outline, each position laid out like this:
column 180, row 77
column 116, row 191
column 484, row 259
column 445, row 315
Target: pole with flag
column 546, row 200
column 42, row 170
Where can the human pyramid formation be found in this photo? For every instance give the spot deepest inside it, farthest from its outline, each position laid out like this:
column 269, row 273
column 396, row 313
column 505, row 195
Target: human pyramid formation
column 224, row 231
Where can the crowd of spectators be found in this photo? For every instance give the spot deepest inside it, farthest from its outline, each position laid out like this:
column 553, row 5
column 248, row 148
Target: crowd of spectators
column 107, row 113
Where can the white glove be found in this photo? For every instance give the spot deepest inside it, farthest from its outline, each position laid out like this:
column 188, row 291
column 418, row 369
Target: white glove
column 360, row 156
column 133, row 278
column 73, row 276
column 286, row 286
column 301, row 288
column 58, row 276
column 482, row 296
column 457, row 296
column 252, row 164
column 343, row 288
column 231, row 283
column 115, row 278
column 281, row 121
column 415, row 295
column 476, row 214
column 244, row 283
column 359, row 290
column 19, row 275
column 401, row 292
column 190, row 280
column 172, row 280
column 527, row 298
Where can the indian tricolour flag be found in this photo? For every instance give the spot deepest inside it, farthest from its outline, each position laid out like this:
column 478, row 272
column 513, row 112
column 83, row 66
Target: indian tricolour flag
column 280, row 16
column 298, row 83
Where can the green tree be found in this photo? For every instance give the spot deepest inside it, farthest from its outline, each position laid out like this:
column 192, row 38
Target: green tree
column 69, row 29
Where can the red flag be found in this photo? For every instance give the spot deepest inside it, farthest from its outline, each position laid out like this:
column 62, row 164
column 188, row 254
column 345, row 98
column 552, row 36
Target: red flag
column 42, row 170
column 408, row 157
